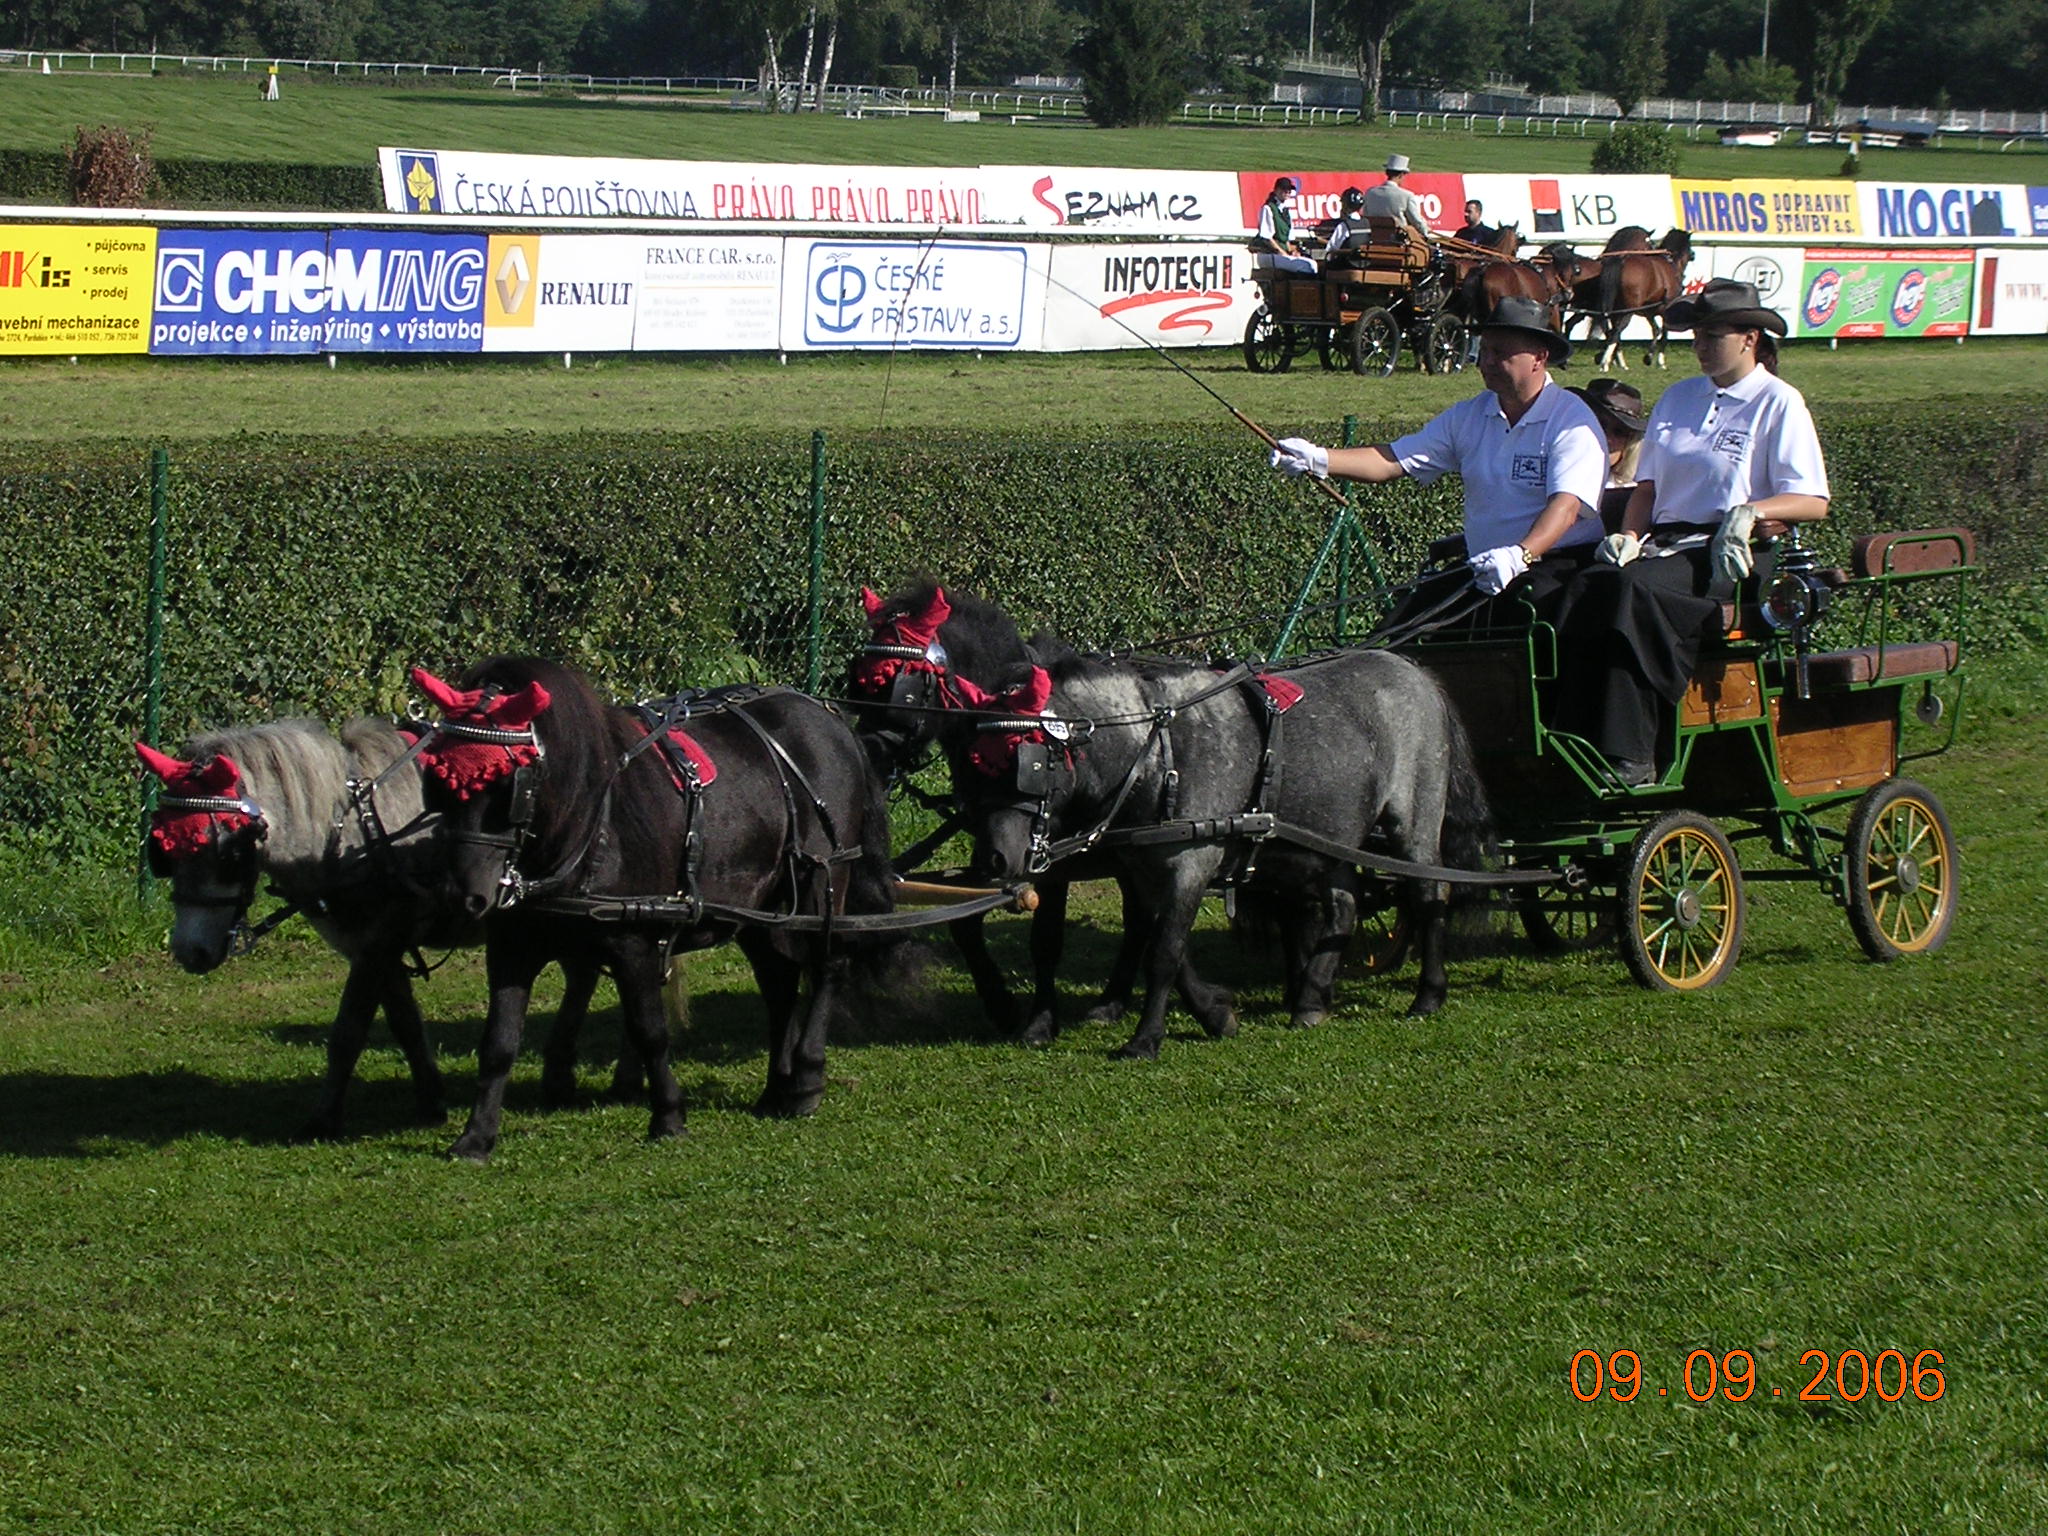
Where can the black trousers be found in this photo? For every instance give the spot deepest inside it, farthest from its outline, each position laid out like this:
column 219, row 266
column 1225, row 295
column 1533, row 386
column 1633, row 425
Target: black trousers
column 1543, row 588
column 1628, row 639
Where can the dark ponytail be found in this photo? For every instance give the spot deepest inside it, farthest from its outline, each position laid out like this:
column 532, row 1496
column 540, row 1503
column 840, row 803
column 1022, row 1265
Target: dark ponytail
column 1767, row 350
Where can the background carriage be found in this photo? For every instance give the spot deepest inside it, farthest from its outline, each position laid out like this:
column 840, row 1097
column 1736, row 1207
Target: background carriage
column 1359, row 310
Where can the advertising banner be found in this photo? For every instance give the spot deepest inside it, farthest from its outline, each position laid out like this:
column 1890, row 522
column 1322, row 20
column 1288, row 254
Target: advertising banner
column 461, row 182
column 1768, row 210
column 1442, row 196
column 66, row 291
column 1775, row 271
column 1103, row 296
column 561, row 293
column 269, row 292
column 1118, row 201
column 2037, row 211
column 1919, row 211
column 709, row 293
column 1582, row 210
column 239, row 293
column 912, row 294
column 2012, row 293
column 1886, row 293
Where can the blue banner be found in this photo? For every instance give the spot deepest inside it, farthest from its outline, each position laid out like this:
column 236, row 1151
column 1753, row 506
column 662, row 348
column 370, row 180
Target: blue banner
column 246, row 292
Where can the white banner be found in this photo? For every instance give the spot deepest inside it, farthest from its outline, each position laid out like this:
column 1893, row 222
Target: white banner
column 1116, row 201
column 561, row 293
column 1915, row 212
column 2012, row 293
column 1585, row 210
column 912, row 294
column 709, row 293
column 1103, row 296
column 463, row 183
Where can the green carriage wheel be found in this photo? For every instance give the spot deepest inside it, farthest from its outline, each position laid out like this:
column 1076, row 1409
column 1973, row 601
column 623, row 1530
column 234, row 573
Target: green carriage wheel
column 1901, row 869
column 1682, row 905
column 1562, row 922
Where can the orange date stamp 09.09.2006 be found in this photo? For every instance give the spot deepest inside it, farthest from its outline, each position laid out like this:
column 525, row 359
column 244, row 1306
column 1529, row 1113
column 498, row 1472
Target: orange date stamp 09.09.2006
column 1847, row 1376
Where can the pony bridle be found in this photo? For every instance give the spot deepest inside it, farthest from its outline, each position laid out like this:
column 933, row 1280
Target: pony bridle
column 511, row 884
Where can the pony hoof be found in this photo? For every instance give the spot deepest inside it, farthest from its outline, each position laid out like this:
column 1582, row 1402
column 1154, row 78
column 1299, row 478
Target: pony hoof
column 1222, row 1028
column 470, row 1149
column 316, row 1131
column 1137, row 1050
column 559, row 1095
column 665, row 1127
column 774, row 1105
column 1309, row 1018
column 1107, row 1011
column 1425, row 1004
column 1039, row 1031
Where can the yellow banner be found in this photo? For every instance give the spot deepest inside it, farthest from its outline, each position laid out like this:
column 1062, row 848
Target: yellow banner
column 67, row 289
column 514, row 275
column 1768, row 210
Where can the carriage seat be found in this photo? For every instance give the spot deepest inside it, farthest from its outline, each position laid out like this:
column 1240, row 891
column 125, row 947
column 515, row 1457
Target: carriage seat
column 1390, row 243
column 1912, row 552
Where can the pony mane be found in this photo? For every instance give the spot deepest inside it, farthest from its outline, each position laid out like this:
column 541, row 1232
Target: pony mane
column 296, row 771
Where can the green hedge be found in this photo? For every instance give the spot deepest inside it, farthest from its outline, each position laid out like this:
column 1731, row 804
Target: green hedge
column 306, row 576
column 37, row 176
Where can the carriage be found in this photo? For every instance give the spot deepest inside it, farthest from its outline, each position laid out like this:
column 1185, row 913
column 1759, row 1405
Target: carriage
column 1358, row 312
column 1797, row 747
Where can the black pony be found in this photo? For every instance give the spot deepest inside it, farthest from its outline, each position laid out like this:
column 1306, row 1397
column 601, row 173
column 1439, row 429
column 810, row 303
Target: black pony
column 337, row 826
column 1357, row 749
column 927, row 675
column 672, row 826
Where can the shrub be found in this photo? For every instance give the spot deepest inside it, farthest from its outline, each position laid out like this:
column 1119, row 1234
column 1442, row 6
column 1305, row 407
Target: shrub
column 109, row 167
column 1635, row 149
column 896, row 77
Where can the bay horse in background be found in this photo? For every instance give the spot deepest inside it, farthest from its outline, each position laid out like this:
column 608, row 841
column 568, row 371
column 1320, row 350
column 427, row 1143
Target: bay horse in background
column 1546, row 280
column 932, row 661
column 1628, row 280
column 674, row 826
column 1353, row 747
column 339, row 827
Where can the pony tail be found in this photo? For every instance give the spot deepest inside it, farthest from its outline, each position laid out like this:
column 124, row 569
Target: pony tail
column 1767, row 351
column 1468, row 837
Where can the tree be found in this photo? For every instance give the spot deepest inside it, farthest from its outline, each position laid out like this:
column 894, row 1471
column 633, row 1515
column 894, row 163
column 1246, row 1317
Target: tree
column 1751, row 79
column 1135, row 62
column 1366, row 25
column 1455, row 43
column 1639, row 59
column 1827, row 35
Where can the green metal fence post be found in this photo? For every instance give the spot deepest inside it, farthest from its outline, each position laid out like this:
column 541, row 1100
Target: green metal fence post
column 153, row 640
column 1350, row 440
column 817, row 639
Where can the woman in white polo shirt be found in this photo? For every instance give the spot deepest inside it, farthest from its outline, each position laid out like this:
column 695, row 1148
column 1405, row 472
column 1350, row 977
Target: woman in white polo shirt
column 1724, row 450
column 1530, row 453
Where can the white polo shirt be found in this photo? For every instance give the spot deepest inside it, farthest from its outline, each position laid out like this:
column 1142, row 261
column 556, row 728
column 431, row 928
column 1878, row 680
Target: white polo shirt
column 1709, row 449
column 1510, row 472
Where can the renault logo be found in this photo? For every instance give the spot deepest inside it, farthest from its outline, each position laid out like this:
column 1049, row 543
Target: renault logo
column 512, row 279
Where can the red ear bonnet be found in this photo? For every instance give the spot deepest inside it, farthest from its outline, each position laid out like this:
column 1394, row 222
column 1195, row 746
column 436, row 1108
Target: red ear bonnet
column 455, row 754
column 178, row 829
column 873, row 673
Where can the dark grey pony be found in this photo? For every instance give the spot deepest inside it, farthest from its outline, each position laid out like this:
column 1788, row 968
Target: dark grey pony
column 934, row 657
column 1369, row 754
column 368, row 874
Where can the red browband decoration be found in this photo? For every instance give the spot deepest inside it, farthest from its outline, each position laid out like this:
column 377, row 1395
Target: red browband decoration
column 995, row 750
column 179, row 830
column 465, row 764
column 915, row 632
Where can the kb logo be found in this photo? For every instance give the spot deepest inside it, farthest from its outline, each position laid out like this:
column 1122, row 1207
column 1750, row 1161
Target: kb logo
column 839, row 289
column 181, row 279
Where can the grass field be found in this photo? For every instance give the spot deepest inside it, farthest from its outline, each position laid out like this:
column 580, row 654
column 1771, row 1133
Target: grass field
column 328, row 122
column 51, row 403
column 1324, row 1281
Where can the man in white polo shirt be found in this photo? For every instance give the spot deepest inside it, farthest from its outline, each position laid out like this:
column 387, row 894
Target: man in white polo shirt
column 1531, row 454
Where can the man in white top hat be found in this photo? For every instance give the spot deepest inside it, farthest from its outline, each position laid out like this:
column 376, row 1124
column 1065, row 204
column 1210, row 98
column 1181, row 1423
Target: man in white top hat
column 1392, row 200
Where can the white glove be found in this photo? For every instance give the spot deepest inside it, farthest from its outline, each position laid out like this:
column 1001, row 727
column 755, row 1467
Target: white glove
column 1493, row 569
column 1729, row 550
column 1299, row 456
column 1618, row 549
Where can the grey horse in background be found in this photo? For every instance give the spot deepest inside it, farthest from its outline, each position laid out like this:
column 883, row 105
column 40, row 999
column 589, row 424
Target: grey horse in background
column 367, row 868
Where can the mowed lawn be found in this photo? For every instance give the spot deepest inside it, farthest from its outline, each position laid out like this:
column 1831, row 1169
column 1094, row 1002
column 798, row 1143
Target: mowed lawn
column 337, row 122
column 1322, row 1281
column 52, row 403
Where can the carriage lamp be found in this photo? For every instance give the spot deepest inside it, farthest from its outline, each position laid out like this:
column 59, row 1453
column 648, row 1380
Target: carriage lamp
column 1795, row 601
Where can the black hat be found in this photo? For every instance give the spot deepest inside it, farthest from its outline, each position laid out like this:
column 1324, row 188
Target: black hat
column 1517, row 314
column 1724, row 302
column 1352, row 198
column 1615, row 401
column 1286, row 184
